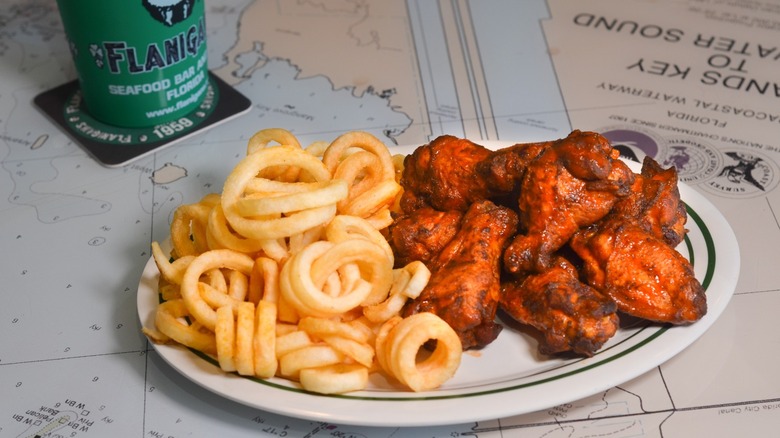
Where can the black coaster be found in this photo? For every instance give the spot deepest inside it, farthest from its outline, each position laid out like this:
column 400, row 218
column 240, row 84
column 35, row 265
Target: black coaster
column 114, row 146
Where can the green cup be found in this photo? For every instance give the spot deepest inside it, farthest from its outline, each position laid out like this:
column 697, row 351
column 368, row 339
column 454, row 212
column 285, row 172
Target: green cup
column 139, row 62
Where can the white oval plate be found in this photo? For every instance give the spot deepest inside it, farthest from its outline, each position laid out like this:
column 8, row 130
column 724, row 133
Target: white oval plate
column 506, row 378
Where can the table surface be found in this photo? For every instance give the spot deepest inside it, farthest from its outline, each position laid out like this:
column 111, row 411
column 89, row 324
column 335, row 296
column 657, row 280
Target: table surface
column 690, row 83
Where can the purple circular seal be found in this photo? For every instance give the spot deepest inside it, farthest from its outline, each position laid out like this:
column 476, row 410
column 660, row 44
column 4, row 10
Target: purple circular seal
column 632, row 142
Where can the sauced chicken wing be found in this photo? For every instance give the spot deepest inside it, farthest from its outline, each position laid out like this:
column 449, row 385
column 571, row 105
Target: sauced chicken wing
column 465, row 276
column 504, row 169
column 422, row 234
column 441, row 175
column 571, row 184
column 630, row 255
column 569, row 315
column 645, row 276
column 654, row 200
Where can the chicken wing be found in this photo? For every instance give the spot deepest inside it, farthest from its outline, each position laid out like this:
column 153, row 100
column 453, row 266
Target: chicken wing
column 441, row 175
column 645, row 276
column 654, row 200
column 504, row 169
column 571, row 184
column 422, row 234
column 465, row 276
column 569, row 315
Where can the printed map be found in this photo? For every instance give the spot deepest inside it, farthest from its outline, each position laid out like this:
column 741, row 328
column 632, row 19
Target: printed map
column 77, row 234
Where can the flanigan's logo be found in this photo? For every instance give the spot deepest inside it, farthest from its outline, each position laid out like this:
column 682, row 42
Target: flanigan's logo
column 118, row 54
column 169, row 12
